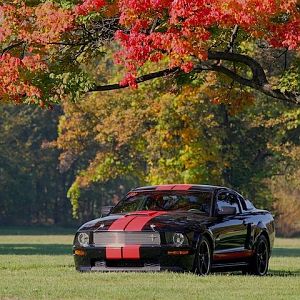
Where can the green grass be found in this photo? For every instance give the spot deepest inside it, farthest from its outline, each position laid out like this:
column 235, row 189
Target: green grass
column 38, row 266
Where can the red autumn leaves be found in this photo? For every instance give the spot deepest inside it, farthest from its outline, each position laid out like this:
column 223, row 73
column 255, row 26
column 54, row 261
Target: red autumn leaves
column 182, row 31
column 26, row 36
column 174, row 32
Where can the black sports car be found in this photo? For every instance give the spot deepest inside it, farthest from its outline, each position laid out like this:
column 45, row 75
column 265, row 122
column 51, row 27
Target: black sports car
column 178, row 227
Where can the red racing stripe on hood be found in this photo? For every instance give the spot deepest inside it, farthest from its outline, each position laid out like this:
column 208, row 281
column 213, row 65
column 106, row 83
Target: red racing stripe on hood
column 140, row 221
column 120, row 223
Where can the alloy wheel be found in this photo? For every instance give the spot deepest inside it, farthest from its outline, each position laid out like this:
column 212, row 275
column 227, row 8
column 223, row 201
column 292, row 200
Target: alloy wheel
column 203, row 258
column 262, row 257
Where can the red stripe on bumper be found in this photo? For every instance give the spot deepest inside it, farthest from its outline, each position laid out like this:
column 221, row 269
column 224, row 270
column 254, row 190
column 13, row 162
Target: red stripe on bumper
column 131, row 252
column 113, row 253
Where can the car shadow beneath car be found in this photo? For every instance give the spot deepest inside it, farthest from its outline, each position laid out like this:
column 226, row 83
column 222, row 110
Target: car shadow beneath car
column 288, row 252
column 281, row 273
column 271, row 273
column 35, row 249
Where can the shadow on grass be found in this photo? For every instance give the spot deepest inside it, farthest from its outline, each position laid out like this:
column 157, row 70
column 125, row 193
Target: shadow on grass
column 271, row 273
column 36, row 230
column 280, row 273
column 287, row 252
column 35, row 249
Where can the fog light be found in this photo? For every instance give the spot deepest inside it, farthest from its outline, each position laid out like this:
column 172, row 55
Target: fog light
column 80, row 252
column 83, row 239
column 178, row 239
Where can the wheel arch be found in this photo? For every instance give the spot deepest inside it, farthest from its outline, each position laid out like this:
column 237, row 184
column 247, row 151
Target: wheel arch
column 209, row 237
column 265, row 234
column 210, row 240
column 262, row 231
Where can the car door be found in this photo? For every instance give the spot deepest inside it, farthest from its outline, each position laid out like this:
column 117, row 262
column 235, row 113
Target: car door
column 230, row 231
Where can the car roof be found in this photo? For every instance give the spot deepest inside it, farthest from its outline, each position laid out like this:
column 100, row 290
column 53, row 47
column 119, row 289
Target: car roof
column 178, row 187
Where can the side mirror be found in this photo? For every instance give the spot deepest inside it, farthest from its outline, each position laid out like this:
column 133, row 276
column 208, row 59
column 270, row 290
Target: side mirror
column 227, row 211
column 105, row 210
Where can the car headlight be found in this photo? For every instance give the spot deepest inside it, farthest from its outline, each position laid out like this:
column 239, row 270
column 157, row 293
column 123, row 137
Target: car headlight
column 176, row 238
column 83, row 239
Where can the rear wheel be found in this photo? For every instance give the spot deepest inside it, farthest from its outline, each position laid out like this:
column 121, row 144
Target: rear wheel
column 203, row 257
column 259, row 264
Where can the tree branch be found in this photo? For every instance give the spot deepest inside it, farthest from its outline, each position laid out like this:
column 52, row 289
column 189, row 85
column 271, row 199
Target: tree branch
column 10, row 47
column 258, row 73
column 140, row 79
column 258, row 81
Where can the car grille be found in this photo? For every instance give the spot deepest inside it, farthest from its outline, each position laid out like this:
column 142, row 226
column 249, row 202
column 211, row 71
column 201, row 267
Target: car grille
column 120, row 238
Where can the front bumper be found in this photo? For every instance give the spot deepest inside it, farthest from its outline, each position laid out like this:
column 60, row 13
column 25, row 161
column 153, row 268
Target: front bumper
column 152, row 259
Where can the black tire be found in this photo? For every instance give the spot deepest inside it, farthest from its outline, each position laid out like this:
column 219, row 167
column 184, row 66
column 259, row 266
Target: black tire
column 259, row 264
column 203, row 257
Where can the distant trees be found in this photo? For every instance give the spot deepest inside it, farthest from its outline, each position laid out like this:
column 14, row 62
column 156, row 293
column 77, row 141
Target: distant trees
column 286, row 204
column 31, row 189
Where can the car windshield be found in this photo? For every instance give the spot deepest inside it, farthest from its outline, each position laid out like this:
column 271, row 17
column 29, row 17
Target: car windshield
column 198, row 202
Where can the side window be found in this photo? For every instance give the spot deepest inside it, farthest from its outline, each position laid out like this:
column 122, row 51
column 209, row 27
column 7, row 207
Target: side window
column 227, row 199
column 249, row 204
column 242, row 202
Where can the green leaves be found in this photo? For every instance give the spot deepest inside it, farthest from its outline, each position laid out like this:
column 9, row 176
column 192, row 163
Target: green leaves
column 290, row 80
column 71, row 84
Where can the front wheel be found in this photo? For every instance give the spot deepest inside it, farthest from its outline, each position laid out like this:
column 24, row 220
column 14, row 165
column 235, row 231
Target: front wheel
column 203, row 257
column 259, row 264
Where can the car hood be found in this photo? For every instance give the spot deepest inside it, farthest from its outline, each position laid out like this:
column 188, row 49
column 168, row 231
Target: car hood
column 149, row 220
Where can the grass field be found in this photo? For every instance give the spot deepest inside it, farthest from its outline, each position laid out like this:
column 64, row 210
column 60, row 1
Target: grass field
column 35, row 265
